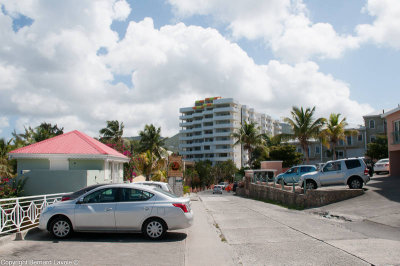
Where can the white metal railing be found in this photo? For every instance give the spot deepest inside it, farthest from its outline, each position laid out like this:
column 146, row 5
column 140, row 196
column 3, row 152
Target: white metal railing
column 17, row 214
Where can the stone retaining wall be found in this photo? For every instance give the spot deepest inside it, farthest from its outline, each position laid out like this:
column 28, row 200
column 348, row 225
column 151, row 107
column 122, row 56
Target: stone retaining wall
column 312, row 198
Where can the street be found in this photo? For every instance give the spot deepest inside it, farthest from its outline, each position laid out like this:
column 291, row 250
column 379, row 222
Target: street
column 230, row 230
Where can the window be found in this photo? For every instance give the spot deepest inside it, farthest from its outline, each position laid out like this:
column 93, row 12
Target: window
column 396, row 132
column 307, row 169
column 360, row 137
column 292, row 170
column 317, row 150
column 371, row 124
column 339, row 154
column 130, row 194
column 341, row 142
column 102, row 196
column 350, row 164
column 299, row 150
column 349, row 140
column 333, row 166
column 372, row 138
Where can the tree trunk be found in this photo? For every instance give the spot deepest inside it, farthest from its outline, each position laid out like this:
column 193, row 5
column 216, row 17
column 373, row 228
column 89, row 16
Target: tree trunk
column 305, row 148
column 334, row 150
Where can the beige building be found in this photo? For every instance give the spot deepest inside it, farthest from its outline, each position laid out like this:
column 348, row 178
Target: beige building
column 393, row 133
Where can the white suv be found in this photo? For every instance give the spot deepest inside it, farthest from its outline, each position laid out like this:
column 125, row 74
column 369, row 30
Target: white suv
column 352, row 172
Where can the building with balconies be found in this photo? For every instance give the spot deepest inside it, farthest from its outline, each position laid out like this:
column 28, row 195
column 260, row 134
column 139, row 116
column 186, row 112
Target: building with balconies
column 206, row 129
column 393, row 133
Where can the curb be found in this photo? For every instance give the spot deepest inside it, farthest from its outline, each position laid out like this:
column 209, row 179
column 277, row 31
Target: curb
column 18, row 236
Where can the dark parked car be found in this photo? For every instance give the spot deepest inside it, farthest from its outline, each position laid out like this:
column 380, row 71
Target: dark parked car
column 82, row 191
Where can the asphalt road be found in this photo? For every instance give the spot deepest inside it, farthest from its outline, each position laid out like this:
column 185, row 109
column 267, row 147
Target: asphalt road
column 230, row 230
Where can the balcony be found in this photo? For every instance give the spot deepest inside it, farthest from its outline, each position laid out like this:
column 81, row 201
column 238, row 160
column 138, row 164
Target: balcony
column 184, row 117
column 225, row 117
column 227, row 125
column 224, row 142
column 224, row 109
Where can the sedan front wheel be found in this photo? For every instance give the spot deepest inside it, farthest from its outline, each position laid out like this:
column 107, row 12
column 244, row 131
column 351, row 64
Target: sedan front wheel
column 61, row 228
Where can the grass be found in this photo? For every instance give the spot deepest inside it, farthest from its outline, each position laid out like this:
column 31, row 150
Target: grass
column 290, row 207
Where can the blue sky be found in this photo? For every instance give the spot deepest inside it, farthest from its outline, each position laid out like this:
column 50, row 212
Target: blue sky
column 80, row 63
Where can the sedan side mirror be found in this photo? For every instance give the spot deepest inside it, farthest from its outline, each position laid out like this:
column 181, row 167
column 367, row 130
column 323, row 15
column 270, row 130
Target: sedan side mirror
column 80, row 201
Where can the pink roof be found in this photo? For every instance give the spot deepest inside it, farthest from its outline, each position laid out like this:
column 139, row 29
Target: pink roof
column 73, row 142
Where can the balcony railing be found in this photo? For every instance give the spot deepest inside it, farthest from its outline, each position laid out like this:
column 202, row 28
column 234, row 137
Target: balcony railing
column 17, row 214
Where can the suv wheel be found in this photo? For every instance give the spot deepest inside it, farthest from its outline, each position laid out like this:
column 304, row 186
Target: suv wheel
column 355, row 183
column 310, row 185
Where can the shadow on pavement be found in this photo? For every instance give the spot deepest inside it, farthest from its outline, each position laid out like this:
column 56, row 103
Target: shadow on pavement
column 387, row 186
column 38, row 235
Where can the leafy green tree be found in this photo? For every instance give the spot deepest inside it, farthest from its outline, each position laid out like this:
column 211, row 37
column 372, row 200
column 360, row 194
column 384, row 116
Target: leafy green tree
column 112, row 133
column 191, row 176
column 32, row 135
column 287, row 154
column 222, row 171
column 249, row 136
column 378, row 149
column 204, row 170
column 304, row 127
column 260, row 153
column 147, row 165
column 335, row 131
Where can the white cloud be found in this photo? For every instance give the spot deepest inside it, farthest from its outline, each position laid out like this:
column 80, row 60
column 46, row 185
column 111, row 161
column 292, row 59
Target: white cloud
column 386, row 27
column 54, row 74
column 283, row 24
column 3, row 123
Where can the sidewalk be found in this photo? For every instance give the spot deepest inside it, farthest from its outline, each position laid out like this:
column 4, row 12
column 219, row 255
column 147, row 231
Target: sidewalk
column 204, row 245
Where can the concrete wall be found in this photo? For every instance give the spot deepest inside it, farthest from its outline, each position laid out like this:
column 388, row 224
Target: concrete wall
column 32, row 164
column 394, row 148
column 75, row 164
column 272, row 165
column 40, row 182
column 313, row 198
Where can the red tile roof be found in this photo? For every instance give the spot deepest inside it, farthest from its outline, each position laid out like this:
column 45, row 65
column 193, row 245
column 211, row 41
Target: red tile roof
column 73, row 142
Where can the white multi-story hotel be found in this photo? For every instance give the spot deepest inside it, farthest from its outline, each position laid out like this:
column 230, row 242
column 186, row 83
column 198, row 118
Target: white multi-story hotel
column 206, row 129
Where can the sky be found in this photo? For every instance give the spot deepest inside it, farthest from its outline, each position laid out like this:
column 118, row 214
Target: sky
column 79, row 63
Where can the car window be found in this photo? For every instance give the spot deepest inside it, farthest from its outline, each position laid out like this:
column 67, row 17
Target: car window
column 166, row 193
column 131, row 194
column 292, row 170
column 307, row 169
column 102, row 196
column 333, row 166
column 351, row 164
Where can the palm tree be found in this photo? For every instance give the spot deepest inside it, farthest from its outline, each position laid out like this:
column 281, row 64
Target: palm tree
column 151, row 140
column 304, row 127
column 248, row 136
column 6, row 170
column 113, row 132
column 147, row 165
column 335, row 131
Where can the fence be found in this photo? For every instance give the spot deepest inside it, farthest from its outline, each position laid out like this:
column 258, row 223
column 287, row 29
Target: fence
column 17, row 214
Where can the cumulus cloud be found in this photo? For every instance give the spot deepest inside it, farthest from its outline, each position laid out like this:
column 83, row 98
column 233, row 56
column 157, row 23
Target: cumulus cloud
column 283, row 24
column 51, row 71
column 3, row 123
column 386, row 27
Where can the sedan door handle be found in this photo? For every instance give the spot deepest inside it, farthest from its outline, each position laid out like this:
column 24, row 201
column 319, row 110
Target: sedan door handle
column 108, row 209
column 146, row 208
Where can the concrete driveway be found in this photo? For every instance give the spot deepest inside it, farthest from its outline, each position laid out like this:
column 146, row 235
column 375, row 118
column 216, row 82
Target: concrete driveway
column 380, row 204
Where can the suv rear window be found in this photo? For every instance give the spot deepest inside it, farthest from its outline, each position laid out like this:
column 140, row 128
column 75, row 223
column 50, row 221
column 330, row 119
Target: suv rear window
column 350, row 164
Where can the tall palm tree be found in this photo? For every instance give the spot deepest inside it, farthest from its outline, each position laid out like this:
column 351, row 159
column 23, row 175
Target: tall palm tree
column 304, row 127
column 249, row 136
column 335, row 131
column 151, row 140
column 6, row 169
column 113, row 132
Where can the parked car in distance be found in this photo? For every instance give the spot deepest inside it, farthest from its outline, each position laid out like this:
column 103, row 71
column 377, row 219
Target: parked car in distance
column 217, row 189
column 352, row 172
column 164, row 186
column 223, row 185
column 80, row 192
column 381, row 166
column 119, row 208
column 293, row 174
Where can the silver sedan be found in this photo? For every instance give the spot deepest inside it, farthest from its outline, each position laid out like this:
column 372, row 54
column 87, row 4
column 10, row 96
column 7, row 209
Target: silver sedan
column 119, row 208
